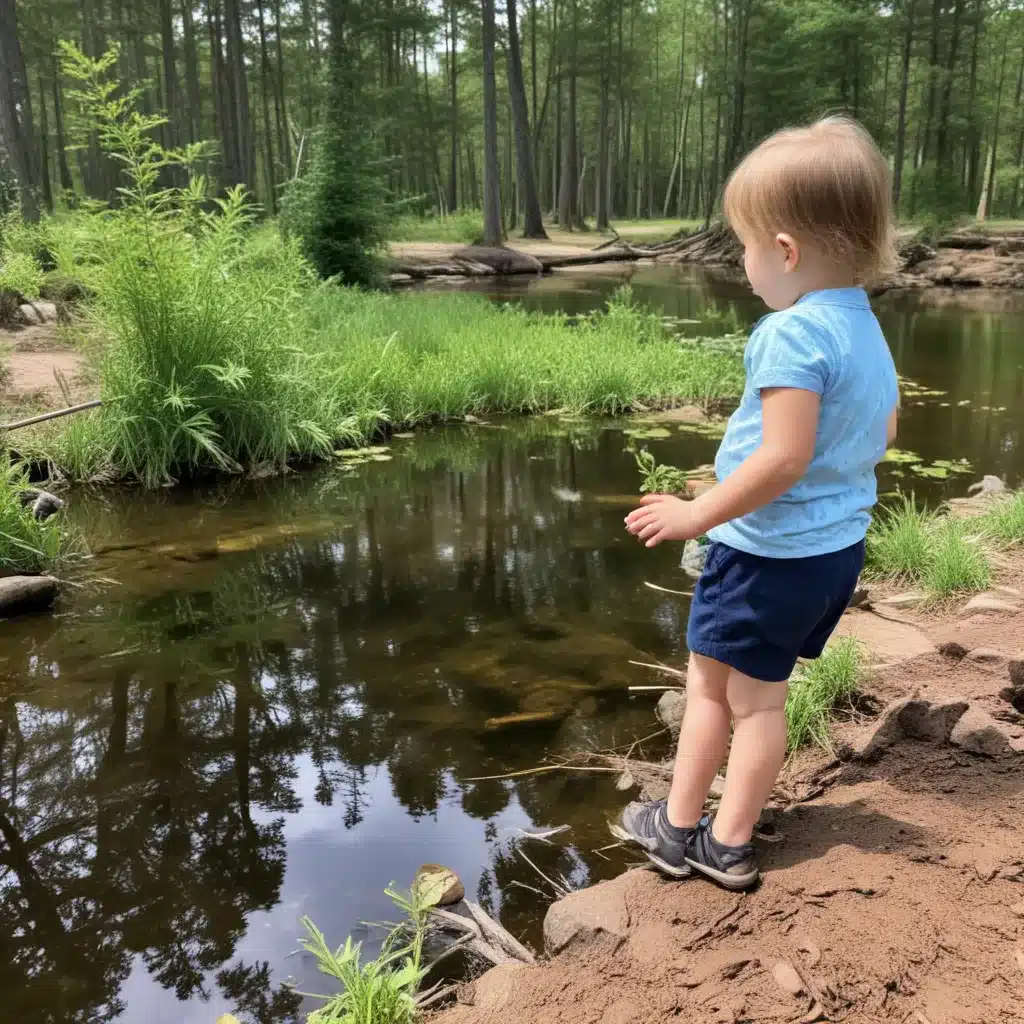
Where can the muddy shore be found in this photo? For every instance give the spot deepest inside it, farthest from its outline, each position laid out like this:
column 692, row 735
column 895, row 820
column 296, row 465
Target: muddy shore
column 893, row 873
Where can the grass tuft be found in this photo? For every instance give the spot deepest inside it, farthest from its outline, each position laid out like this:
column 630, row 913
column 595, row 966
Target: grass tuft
column 1003, row 523
column 957, row 563
column 27, row 545
column 818, row 690
column 898, row 542
column 462, row 226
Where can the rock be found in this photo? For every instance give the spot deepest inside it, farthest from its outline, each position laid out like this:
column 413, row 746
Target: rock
column 953, row 650
column 861, row 598
column 494, row 990
column 1016, row 669
column 978, row 732
column 788, row 979
column 987, row 485
column 585, row 917
column 986, row 657
column 500, row 259
column 694, row 556
column 43, row 503
column 625, row 781
column 28, row 314
column 1013, row 695
column 889, row 641
column 671, row 706
column 911, row 599
column 21, row 594
column 990, row 603
column 910, row 719
column 437, row 874
column 47, row 311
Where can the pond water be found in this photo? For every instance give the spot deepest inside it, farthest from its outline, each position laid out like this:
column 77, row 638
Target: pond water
column 294, row 690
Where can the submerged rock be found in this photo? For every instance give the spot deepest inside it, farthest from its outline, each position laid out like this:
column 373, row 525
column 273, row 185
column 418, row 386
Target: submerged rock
column 22, row 594
column 695, row 555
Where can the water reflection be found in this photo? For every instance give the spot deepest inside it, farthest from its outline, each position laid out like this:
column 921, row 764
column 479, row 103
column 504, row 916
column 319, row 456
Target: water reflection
column 333, row 642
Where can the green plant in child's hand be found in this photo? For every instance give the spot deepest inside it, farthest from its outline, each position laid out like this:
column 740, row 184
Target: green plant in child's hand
column 658, row 479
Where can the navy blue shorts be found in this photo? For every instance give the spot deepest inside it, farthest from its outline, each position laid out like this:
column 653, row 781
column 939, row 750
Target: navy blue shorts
column 758, row 615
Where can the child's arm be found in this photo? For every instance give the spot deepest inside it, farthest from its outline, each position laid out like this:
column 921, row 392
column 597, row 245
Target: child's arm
column 789, row 427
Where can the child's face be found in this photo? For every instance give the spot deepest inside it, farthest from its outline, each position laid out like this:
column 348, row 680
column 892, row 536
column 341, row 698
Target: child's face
column 770, row 265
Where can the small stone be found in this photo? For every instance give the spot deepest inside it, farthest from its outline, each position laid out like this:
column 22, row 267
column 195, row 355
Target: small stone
column 1016, row 670
column 28, row 314
column 21, row 594
column 990, row 603
column 1018, row 909
column 46, row 311
column 953, row 650
column 978, row 732
column 625, row 781
column 671, row 708
column 437, row 874
column 861, row 598
column 987, row 657
column 910, row 599
column 46, row 505
column 586, row 916
column 694, row 556
column 987, row 485
column 909, row 718
column 788, row 979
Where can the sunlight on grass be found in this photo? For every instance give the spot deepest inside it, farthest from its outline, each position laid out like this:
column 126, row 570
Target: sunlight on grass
column 957, row 563
column 1003, row 523
column 898, row 542
column 819, row 689
column 462, row 226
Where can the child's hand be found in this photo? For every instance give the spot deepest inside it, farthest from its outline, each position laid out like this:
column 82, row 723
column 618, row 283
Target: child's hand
column 663, row 517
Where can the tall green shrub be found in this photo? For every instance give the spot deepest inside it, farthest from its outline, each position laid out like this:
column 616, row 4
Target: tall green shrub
column 340, row 210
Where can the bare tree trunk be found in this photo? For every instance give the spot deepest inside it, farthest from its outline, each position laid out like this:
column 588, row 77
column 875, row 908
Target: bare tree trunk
column 268, row 139
column 972, row 158
column 44, row 148
column 284, row 137
column 194, row 114
column 901, row 117
column 492, row 183
column 171, row 104
column 988, row 199
column 453, row 72
column 533, row 225
column 943, row 155
column 238, row 92
column 17, row 135
column 601, row 172
column 67, row 183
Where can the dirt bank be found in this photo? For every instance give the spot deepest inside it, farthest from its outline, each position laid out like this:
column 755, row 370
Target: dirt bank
column 32, row 361
column 893, row 884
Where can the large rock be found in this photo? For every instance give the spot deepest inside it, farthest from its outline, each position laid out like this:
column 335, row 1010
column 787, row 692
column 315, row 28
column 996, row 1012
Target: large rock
column 437, row 874
column 909, row 719
column 889, row 641
column 671, row 708
column 1001, row 601
column 21, row 594
column 591, row 915
column 978, row 732
column 500, row 259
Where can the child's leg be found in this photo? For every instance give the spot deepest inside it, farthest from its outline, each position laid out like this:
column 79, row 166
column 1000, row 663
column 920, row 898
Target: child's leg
column 755, row 758
column 703, row 738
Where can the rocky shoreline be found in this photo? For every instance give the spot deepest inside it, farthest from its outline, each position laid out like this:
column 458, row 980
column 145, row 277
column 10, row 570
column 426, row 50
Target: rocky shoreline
column 893, row 884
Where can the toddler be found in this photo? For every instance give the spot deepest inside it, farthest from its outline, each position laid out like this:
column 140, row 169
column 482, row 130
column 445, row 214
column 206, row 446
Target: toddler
column 796, row 482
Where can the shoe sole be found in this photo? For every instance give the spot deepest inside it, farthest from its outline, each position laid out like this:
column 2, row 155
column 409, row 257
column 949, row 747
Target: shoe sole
column 723, row 878
column 650, row 847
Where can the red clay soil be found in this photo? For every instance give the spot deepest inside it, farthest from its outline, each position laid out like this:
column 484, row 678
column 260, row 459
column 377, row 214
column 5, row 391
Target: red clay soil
column 893, row 889
column 28, row 366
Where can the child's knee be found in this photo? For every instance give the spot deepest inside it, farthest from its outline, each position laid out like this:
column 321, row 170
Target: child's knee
column 707, row 679
column 748, row 697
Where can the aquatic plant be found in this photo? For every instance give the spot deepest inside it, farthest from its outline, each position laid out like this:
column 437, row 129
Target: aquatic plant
column 27, row 545
column 818, row 690
column 658, row 478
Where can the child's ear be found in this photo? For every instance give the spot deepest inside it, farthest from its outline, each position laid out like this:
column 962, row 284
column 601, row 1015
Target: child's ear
column 790, row 251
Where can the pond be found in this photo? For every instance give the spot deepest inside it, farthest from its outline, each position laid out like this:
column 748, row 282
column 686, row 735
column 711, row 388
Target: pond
column 295, row 691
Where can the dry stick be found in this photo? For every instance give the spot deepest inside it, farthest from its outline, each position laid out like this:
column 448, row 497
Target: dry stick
column 540, row 770
column 498, row 936
column 665, row 590
column 559, row 890
column 660, row 668
column 42, row 417
column 635, row 689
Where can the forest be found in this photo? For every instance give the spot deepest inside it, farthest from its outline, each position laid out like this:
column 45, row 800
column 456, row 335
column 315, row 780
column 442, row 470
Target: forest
column 570, row 110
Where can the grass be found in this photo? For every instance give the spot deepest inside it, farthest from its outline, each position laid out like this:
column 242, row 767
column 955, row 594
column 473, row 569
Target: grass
column 818, row 690
column 27, row 545
column 1003, row 523
column 462, row 226
column 911, row 546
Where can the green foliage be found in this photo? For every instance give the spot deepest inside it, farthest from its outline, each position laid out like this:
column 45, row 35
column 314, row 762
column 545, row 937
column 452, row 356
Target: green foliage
column 1003, row 523
column 658, row 479
column 462, row 226
column 818, row 690
column 382, row 990
column 908, row 545
column 341, row 210
column 27, row 545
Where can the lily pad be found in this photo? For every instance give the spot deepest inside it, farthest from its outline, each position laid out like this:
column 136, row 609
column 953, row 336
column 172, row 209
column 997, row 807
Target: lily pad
column 957, row 466
column 935, row 472
column 360, row 453
column 900, row 455
column 650, row 433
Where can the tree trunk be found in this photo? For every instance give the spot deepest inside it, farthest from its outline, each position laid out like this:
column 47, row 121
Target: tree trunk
column 44, row 148
column 601, row 171
column 533, row 225
column 238, row 94
column 1018, row 160
column 901, row 117
column 17, row 135
column 988, row 200
column 453, row 73
column 171, row 105
column 972, row 157
column 268, row 139
column 67, row 183
column 194, row 114
column 284, row 136
column 943, row 154
column 492, row 184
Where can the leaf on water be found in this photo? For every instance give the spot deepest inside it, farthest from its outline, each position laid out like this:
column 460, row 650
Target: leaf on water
column 899, row 455
column 650, row 433
column 958, row 466
column 935, row 472
column 360, row 453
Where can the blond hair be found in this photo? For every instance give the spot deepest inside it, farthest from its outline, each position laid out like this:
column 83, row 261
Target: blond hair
column 827, row 183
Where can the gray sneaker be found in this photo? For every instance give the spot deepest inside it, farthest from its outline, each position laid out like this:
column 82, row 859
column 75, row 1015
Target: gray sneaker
column 732, row 867
column 647, row 825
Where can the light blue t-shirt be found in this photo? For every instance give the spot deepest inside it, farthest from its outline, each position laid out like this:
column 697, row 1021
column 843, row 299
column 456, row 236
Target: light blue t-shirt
column 829, row 343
